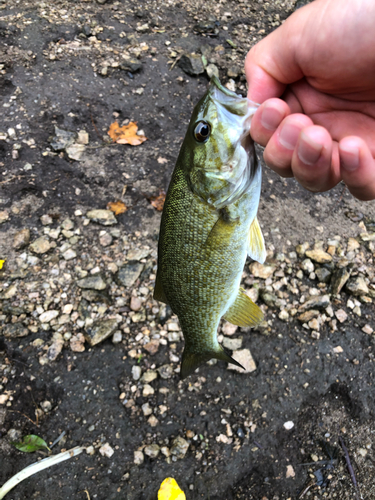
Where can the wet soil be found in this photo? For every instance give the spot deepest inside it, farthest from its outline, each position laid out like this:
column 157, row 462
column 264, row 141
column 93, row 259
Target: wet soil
column 297, row 379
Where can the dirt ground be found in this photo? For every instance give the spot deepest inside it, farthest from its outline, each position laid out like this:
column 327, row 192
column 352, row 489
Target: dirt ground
column 273, row 433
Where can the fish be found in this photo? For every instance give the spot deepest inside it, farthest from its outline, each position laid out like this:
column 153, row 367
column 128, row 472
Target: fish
column 209, row 226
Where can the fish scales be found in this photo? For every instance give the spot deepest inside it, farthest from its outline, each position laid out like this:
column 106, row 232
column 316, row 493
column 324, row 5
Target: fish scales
column 204, row 239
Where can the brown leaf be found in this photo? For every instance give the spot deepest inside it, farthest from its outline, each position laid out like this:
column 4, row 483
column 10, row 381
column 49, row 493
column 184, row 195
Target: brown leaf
column 118, row 207
column 158, row 201
column 126, row 134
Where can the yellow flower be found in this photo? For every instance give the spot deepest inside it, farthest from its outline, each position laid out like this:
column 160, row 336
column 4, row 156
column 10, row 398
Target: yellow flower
column 169, row 490
column 1, row 263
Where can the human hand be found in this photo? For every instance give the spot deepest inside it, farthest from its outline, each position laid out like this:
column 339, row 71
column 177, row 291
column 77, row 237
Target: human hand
column 321, row 61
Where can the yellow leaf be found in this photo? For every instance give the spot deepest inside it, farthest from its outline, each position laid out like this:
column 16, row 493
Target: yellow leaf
column 118, row 207
column 169, row 490
column 158, row 201
column 126, row 134
column 1, row 263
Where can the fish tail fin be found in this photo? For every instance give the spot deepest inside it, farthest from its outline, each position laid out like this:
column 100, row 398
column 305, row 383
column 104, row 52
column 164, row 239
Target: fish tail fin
column 191, row 360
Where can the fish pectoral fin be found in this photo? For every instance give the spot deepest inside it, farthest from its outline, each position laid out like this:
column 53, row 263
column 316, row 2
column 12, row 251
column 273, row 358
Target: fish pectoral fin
column 244, row 312
column 221, row 231
column 256, row 250
column 191, row 360
column 159, row 290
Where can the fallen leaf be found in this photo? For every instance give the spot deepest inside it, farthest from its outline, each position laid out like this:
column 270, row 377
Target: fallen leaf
column 31, row 443
column 118, row 207
column 169, row 490
column 158, row 201
column 162, row 160
column 126, row 134
column 2, row 263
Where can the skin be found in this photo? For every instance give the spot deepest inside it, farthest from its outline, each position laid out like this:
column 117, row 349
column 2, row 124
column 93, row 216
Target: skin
column 315, row 80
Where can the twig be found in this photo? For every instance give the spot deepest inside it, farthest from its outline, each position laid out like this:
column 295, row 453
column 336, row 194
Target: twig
column 306, row 489
column 87, row 493
column 350, row 468
column 92, row 120
column 37, row 467
column 28, row 418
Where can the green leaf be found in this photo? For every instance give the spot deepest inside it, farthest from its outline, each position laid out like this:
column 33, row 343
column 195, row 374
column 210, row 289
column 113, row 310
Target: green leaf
column 31, row 443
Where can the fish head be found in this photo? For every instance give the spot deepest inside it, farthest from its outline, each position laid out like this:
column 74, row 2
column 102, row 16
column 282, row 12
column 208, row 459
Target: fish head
column 221, row 152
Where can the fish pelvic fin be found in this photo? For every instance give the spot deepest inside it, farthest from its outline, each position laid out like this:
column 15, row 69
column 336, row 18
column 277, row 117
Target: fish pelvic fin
column 191, row 359
column 257, row 249
column 244, row 312
column 159, row 290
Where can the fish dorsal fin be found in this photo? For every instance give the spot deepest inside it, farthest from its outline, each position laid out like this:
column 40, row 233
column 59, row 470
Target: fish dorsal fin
column 191, row 359
column 244, row 312
column 159, row 290
column 256, row 250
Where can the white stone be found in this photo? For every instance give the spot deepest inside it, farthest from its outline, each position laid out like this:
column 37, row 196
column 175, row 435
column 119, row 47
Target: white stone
column 288, row 425
column 341, row 315
column 106, row 450
column 138, row 458
column 244, row 357
column 48, row 316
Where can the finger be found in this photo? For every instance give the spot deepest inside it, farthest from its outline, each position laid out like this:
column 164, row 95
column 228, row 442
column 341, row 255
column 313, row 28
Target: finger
column 266, row 120
column 278, row 153
column 315, row 162
column 357, row 167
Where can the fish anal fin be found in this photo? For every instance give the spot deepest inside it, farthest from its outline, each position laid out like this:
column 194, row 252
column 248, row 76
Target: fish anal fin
column 244, row 312
column 159, row 290
column 257, row 249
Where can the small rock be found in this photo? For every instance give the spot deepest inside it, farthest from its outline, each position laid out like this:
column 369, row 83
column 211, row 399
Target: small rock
column 95, row 282
column 152, row 450
column 62, row 139
column 271, row 299
column 117, row 337
column 367, row 329
column 75, row 151
column 138, row 458
column 153, row 421
column 90, row 450
column 245, row 358
column 9, row 292
column 149, row 376
column 56, row 347
column 341, row 315
column 323, row 274
column 137, row 254
column 48, row 316
column 106, row 450
column 46, row 406
column 136, row 372
column 317, row 302
column 338, row 349
column 40, row 245
column 307, row 266
column 135, row 304
column 261, row 271
column 129, row 274
column 357, row 286
column 173, row 327
column 179, row 447
column 290, row 471
column 83, row 137
column 14, row 330
column 301, row 249
column 100, row 331
column 165, row 371
column 21, row 239
column 284, row 315
column 339, row 279
column 105, row 239
column 69, row 254
column 314, row 324
column 232, row 344
column 77, row 343
column 148, row 390
column 191, row 64
column 104, row 217
column 288, row 425
column 4, row 216
column 152, row 346
column 308, row 315
column 46, row 220
column 131, row 65
column 352, row 245
column 318, row 255
column 146, row 409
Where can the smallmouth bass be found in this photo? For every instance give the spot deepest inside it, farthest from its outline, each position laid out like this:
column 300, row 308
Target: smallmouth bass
column 209, row 226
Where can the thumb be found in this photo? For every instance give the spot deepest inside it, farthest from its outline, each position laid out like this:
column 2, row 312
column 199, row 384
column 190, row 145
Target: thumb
column 272, row 63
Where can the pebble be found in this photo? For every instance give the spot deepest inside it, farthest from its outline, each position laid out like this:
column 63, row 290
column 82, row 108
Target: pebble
column 318, row 255
column 69, row 254
column 95, row 282
column 341, row 315
column 261, row 271
column 100, row 330
column 165, row 371
column 146, row 409
column 367, row 329
column 46, row 406
column 173, row 327
column 14, row 330
column 318, row 302
column 232, row 344
column 138, row 458
column 307, row 266
column 153, row 421
column 288, row 425
column 21, row 239
column 48, row 316
column 128, row 274
column 106, row 450
column 149, row 376
column 136, row 372
column 284, row 315
column 152, row 346
column 77, row 343
column 101, row 216
column 179, row 447
column 191, row 64
column 105, row 239
column 338, row 349
column 40, row 246
column 245, row 358
column 290, row 471
column 357, row 286
column 9, row 292
column 83, row 137
column 339, row 279
column 152, row 450
column 135, row 304
column 323, row 274
column 55, row 348
column 4, row 216
column 148, row 390
column 117, row 337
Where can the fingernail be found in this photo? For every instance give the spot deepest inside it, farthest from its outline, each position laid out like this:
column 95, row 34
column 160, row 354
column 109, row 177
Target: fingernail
column 349, row 158
column 309, row 151
column 271, row 117
column 289, row 135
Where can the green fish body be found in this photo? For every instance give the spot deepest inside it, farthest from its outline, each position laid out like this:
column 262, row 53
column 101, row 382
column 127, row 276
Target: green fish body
column 209, row 226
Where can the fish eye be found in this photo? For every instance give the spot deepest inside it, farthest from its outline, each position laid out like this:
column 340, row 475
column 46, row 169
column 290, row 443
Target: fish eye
column 202, row 131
